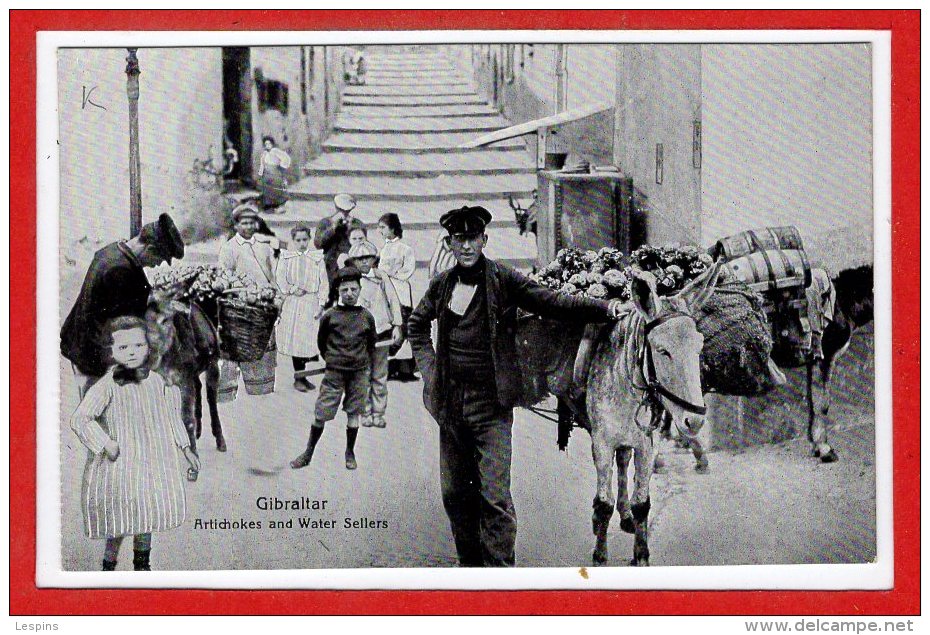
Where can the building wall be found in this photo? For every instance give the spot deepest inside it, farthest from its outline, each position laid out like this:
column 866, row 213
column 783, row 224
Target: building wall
column 658, row 101
column 529, row 91
column 180, row 120
column 788, row 140
column 301, row 131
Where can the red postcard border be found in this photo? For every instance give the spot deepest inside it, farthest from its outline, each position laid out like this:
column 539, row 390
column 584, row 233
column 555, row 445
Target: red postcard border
column 904, row 598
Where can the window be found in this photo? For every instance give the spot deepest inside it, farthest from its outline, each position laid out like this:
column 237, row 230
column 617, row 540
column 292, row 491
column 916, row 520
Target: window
column 272, row 94
column 508, row 62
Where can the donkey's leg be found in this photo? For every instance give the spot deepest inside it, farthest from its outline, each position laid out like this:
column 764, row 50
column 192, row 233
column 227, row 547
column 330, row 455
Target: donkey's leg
column 623, row 497
column 642, row 470
column 188, row 399
column 198, row 404
column 213, row 381
column 604, row 500
column 826, row 366
column 817, row 426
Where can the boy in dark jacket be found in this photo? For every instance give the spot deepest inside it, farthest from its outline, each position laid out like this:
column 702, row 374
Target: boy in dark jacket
column 346, row 341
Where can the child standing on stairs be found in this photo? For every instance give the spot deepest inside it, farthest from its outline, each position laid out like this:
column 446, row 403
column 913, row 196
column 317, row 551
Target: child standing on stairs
column 130, row 422
column 347, row 342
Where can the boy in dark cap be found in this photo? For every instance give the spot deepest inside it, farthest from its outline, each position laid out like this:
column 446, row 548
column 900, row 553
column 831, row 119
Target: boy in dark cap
column 115, row 285
column 346, row 341
column 471, row 380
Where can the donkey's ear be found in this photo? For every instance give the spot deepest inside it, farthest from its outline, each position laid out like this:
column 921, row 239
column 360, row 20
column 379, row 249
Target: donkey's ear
column 699, row 290
column 644, row 295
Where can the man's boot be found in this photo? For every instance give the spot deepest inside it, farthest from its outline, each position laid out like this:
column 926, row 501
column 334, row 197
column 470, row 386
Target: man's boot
column 304, row 459
column 351, row 436
column 140, row 560
column 109, row 565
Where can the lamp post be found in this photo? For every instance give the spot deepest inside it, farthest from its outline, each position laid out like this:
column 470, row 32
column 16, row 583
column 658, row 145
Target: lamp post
column 135, row 179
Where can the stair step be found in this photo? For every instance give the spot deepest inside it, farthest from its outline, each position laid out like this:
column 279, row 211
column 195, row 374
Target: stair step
column 416, row 75
column 410, row 125
column 405, row 57
column 504, row 244
column 413, row 100
column 428, row 65
column 413, row 214
column 421, row 165
column 418, row 81
column 458, row 189
column 443, row 112
column 384, row 91
column 424, row 142
column 440, row 188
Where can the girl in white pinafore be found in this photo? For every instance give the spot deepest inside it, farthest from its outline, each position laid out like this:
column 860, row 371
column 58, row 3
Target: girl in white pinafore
column 130, row 423
column 398, row 261
column 301, row 277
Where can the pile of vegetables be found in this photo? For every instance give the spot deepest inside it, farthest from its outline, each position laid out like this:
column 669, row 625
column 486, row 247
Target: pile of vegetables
column 209, row 283
column 606, row 274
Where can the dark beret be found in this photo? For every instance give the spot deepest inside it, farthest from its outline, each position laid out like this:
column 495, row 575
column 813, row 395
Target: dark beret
column 466, row 220
column 347, row 274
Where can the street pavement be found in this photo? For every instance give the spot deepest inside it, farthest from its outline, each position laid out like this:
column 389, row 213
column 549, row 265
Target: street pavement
column 759, row 505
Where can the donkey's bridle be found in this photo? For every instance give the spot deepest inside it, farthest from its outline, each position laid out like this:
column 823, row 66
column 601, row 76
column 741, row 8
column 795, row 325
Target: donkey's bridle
column 653, row 385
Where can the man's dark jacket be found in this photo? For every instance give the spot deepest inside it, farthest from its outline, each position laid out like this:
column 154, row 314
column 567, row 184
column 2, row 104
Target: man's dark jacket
column 115, row 285
column 507, row 290
column 333, row 239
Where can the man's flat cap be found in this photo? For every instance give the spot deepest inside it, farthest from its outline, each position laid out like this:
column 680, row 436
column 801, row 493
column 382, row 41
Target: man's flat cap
column 168, row 238
column 344, row 202
column 362, row 249
column 466, row 220
column 244, row 211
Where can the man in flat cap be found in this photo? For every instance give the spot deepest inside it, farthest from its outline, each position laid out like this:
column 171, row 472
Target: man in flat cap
column 471, row 380
column 247, row 254
column 332, row 236
column 115, row 285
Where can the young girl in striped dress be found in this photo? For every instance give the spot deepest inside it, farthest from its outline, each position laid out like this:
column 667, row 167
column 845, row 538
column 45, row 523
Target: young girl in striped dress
column 130, row 422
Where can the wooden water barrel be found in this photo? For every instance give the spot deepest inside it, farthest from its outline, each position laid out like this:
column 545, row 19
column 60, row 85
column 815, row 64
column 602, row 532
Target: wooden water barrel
column 772, row 269
column 756, row 240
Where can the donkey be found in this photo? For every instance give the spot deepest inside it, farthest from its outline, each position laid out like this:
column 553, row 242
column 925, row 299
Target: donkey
column 648, row 361
column 185, row 344
column 838, row 307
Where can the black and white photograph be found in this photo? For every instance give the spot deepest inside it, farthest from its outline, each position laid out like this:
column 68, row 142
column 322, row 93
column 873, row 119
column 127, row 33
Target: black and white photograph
column 341, row 310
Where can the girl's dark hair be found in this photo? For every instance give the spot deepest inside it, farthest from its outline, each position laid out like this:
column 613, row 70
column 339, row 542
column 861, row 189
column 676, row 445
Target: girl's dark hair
column 301, row 227
column 111, row 326
column 392, row 220
column 268, row 137
column 121, row 323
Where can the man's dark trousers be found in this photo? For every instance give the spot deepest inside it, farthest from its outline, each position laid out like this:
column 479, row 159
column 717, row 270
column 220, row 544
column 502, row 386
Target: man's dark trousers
column 474, row 455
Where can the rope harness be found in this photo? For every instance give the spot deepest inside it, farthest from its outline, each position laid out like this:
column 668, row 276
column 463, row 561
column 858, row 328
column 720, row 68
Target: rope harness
column 652, row 388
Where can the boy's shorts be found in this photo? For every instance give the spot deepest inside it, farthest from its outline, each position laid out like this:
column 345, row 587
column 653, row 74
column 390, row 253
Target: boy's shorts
column 336, row 383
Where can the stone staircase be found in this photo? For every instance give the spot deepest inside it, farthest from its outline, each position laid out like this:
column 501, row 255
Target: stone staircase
column 394, row 148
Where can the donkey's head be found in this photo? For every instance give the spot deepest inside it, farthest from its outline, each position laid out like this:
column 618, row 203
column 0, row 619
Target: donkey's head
column 671, row 364
column 163, row 306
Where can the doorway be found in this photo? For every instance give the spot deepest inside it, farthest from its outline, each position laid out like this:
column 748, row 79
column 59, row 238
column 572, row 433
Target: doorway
column 237, row 112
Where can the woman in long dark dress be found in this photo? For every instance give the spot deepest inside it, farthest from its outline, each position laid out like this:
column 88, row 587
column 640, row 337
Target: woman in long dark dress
column 272, row 174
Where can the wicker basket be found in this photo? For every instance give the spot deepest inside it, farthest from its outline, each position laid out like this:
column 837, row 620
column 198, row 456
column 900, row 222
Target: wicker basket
column 245, row 330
